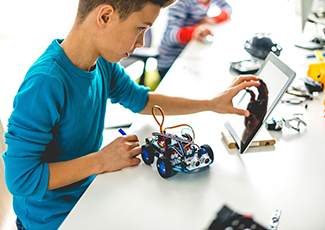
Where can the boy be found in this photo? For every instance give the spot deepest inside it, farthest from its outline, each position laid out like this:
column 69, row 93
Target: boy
column 55, row 130
column 187, row 20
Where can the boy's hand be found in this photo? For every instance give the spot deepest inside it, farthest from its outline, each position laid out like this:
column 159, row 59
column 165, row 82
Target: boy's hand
column 208, row 20
column 120, row 153
column 223, row 102
column 201, row 32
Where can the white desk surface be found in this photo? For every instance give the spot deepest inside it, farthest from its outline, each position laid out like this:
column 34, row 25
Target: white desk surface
column 288, row 175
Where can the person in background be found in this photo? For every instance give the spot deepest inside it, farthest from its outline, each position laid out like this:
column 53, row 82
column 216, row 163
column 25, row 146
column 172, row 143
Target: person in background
column 55, row 131
column 187, row 20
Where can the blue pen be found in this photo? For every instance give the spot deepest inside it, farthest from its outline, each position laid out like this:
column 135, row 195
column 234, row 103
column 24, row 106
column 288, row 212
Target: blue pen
column 122, row 131
column 313, row 56
column 123, row 134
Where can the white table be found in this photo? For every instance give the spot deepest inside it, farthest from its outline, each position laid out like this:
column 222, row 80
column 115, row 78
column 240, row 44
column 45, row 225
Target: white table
column 288, row 175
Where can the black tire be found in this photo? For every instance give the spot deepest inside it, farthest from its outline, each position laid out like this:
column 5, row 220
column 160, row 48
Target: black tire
column 208, row 149
column 164, row 167
column 169, row 152
column 147, row 154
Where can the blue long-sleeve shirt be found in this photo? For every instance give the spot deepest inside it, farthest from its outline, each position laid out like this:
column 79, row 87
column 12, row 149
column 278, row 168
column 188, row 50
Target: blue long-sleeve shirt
column 58, row 115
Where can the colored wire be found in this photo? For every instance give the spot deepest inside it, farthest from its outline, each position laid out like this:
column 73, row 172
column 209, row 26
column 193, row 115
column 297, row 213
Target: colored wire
column 177, row 126
column 296, row 101
column 162, row 114
column 162, row 130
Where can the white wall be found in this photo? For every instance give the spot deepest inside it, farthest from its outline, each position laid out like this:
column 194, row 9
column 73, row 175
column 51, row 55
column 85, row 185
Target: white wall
column 28, row 26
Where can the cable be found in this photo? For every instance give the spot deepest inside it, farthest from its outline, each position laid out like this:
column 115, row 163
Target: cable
column 162, row 130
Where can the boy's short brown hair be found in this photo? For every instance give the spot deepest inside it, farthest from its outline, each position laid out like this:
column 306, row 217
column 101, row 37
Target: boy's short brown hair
column 124, row 7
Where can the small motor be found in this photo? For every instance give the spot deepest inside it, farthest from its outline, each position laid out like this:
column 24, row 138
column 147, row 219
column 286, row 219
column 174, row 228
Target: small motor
column 274, row 125
column 258, row 47
column 261, row 45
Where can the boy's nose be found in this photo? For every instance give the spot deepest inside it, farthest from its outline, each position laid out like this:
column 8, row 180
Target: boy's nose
column 140, row 41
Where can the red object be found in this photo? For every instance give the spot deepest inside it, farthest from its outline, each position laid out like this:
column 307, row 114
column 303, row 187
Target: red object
column 185, row 34
column 223, row 16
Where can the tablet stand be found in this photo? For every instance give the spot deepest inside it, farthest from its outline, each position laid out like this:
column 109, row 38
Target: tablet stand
column 263, row 138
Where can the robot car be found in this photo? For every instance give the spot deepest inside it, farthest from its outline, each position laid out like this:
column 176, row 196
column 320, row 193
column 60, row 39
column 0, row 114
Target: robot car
column 175, row 153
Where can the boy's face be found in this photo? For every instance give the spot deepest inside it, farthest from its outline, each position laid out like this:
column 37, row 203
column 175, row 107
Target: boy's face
column 123, row 37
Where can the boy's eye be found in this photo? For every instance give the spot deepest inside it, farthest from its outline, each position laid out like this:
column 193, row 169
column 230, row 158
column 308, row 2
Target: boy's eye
column 142, row 29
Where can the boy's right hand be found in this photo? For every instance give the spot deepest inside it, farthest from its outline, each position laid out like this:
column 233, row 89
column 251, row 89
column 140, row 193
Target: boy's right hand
column 201, row 31
column 120, row 153
column 208, row 20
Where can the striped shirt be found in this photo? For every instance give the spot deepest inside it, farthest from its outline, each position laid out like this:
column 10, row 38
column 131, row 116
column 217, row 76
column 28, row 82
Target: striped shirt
column 184, row 14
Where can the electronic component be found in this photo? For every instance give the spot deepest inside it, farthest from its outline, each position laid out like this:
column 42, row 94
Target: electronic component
column 245, row 67
column 175, row 152
column 316, row 71
column 319, row 55
column 277, row 125
column 273, row 125
column 227, row 219
column 258, row 47
column 313, row 85
column 261, row 45
column 288, row 123
column 275, row 219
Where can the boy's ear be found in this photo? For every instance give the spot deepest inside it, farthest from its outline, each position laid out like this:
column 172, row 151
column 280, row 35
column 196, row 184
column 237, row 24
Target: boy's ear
column 105, row 18
column 105, row 15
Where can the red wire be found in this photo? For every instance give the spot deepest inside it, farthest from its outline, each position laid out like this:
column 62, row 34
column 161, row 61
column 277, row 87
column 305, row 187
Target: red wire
column 163, row 120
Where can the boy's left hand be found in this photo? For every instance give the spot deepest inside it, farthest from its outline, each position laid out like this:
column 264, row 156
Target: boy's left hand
column 223, row 102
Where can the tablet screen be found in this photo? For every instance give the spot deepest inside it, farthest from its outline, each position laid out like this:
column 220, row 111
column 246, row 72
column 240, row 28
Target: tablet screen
column 275, row 77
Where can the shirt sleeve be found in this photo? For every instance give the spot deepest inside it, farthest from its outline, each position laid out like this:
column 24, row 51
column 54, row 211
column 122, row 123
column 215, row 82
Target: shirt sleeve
column 225, row 11
column 37, row 107
column 223, row 16
column 185, row 34
column 176, row 32
column 122, row 90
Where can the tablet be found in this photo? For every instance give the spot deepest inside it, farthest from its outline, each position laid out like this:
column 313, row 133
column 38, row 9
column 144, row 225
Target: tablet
column 275, row 77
